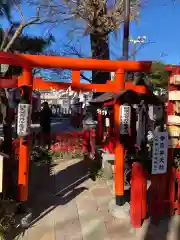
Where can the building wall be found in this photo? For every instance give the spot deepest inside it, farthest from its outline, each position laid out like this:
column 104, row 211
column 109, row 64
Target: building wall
column 59, row 104
column 65, row 100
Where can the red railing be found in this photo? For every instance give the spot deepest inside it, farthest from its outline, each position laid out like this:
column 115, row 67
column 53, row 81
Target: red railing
column 65, row 141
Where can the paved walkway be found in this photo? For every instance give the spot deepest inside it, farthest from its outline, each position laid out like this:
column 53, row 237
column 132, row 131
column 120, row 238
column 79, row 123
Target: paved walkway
column 76, row 208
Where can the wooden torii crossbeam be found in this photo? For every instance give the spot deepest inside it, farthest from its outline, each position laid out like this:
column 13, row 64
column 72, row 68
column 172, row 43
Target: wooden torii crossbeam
column 40, row 61
column 42, row 84
column 28, row 62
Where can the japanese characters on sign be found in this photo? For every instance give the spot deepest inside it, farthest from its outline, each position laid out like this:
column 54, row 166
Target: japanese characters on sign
column 125, row 118
column 23, row 121
column 160, row 148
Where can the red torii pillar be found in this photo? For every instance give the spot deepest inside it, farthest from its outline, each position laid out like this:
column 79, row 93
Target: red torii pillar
column 24, row 156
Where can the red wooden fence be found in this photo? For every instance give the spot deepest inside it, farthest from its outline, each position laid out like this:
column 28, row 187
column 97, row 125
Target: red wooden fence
column 65, row 141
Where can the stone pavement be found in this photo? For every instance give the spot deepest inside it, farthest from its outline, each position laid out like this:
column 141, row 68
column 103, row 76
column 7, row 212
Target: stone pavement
column 77, row 209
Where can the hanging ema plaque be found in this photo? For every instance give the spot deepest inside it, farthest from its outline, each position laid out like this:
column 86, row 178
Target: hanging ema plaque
column 175, row 79
column 174, row 95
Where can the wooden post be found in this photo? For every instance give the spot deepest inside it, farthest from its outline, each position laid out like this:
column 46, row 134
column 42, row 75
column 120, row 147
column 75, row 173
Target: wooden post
column 119, row 148
column 178, row 193
column 1, row 173
column 99, row 128
column 24, row 150
column 138, row 208
column 76, row 74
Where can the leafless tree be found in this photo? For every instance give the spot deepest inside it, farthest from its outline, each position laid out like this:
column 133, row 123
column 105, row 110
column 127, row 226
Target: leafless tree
column 71, row 49
column 9, row 36
column 96, row 18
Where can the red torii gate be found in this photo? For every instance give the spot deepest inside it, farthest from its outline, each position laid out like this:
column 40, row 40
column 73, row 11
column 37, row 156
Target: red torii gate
column 27, row 62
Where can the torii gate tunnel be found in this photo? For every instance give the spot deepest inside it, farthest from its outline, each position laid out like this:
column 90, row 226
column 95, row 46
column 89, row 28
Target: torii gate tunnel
column 26, row 81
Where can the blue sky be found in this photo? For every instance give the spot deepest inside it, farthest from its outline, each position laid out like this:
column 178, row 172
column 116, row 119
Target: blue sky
column 159, row 22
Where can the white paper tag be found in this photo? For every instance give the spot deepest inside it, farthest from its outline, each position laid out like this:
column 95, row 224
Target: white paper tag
column 107, row 122
column 23, row 119
column 125, row 118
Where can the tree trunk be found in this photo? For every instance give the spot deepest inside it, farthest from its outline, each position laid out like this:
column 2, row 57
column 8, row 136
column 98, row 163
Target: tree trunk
column 100, row 50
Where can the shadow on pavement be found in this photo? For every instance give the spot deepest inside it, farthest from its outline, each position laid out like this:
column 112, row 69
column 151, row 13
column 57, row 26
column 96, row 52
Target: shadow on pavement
column 159, row 231
column 163, row 227
column 47, row 191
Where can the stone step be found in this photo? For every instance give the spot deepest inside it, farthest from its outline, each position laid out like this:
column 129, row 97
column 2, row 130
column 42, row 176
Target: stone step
column 108, row 164
column 110, row 183
column 108, row 156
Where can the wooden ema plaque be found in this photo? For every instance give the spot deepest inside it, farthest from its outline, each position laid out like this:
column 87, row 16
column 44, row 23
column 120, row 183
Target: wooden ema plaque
column 173, row 118
column 174, row 96
column 175, row 79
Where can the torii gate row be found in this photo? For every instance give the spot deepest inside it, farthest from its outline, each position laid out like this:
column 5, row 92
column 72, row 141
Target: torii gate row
column 27, row 62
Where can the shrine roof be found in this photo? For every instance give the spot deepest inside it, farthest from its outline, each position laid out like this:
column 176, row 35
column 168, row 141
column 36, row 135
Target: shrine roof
column 123, row 95
column 127, row 96
column 130, row 96
column 103, row 97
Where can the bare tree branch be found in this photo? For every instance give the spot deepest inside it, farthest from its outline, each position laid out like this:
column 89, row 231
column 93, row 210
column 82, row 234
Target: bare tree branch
column 38, row 18
column 5, row 36
column 18, row 8
column 72, row 50
column 97, row 17
column 85, row 78
column 12, row 40
column 142, row 45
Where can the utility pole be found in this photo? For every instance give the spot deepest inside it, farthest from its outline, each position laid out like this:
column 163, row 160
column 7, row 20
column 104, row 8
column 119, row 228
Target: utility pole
column 126, row 29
